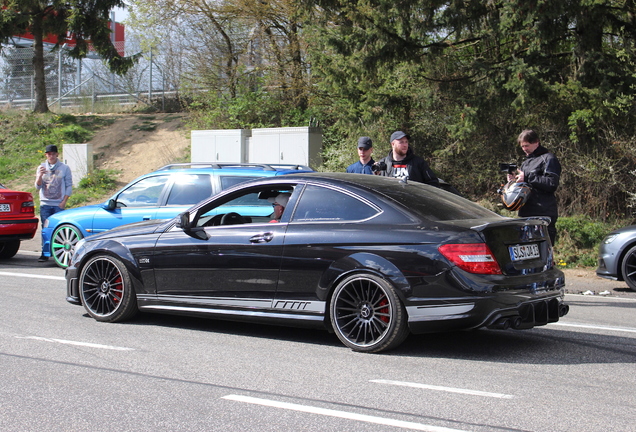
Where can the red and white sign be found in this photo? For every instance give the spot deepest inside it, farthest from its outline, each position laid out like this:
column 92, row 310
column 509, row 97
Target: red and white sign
column 120, row 38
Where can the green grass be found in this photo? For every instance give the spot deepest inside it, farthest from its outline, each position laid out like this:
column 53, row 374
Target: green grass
column 23, row 137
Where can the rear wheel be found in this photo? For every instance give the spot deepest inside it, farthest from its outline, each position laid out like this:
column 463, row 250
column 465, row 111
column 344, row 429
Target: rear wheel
column 106, row 290
column 9, row 249
column 628, row 268
column 63, row 242
column 367, row 315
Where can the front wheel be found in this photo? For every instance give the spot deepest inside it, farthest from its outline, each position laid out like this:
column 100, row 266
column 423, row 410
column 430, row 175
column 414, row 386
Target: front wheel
column 628, row 268
column 63, row 242
column 106, row 289
column 367, row 315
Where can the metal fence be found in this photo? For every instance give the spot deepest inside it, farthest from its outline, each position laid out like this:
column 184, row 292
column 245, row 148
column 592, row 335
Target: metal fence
column 78, row 85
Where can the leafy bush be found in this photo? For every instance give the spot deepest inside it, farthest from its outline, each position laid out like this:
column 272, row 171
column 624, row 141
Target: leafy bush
column 93, row 187
column 578, row 239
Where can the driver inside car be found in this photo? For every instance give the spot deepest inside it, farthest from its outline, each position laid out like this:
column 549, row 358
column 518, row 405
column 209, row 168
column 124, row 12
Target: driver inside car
column 279, row 203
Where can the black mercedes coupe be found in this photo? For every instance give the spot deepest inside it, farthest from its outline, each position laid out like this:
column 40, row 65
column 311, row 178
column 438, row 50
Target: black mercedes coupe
column 369, row 258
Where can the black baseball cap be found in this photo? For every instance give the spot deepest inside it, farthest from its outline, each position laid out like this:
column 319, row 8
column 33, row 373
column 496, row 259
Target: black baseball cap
column 51, row 148
column 397, row 135
column 365, row 142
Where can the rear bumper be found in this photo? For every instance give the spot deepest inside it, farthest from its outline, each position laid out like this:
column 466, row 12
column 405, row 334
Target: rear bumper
column 18, row 229
column 520, row 302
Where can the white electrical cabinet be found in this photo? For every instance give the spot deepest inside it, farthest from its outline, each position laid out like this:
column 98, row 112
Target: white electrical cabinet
column 289, row 145
column 79, row 158
column 224, row 145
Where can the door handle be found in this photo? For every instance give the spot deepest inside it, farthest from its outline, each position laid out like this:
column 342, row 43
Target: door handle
column 262, row 238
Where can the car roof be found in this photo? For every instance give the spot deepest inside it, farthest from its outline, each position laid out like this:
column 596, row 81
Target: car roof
column 424, row 200
column 236, row 167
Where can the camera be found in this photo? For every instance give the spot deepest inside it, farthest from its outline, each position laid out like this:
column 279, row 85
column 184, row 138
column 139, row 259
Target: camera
column 378, row 166
column 507, row 168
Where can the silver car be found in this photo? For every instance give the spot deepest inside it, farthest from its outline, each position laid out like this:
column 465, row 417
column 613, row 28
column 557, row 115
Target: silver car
column 617, row 256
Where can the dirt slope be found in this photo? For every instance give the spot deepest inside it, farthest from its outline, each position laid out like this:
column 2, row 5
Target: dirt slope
column 136, row 144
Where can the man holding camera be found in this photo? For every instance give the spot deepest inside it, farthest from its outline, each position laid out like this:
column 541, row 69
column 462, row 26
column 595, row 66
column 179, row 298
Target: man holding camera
column 364, row 166
column 401, row 162
column 542, row 171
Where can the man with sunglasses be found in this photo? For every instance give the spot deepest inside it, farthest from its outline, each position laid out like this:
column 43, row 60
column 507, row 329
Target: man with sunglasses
column 279, row 203
column 54, row 182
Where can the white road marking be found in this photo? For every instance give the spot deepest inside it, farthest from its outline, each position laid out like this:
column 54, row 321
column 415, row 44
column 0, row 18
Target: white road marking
column 340, row 414
column 446, row 389
column 83, row 344
column 596, row 327
column 32, row 276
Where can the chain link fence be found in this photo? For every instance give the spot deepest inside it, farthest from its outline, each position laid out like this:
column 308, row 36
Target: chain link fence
column 74, row 85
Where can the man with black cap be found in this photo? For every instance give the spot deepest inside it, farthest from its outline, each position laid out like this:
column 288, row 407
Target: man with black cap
column 54, row 181
column 401, row 162
column 365, row 148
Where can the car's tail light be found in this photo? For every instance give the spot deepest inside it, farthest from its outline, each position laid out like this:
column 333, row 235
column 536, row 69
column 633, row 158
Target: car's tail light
column 473, row 257
column 27, row 207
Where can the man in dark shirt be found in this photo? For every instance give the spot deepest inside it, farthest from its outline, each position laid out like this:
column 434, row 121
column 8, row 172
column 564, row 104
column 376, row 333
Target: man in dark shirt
column 542, row 171
column 363, row 166
column 401, row 162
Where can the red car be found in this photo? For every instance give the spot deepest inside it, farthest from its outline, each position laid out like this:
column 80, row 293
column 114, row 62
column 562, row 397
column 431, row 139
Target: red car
column 17, row 220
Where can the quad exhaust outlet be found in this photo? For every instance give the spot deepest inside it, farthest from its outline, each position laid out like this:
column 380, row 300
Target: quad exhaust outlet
column 531, row 315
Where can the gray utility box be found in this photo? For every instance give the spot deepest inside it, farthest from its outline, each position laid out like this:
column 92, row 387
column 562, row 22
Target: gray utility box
column 224, row 145
column 290, row 145
column 79, row 158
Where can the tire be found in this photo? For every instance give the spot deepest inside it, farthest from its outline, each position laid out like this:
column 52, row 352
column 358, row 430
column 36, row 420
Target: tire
column 106, row 290
column 628, row 268
column 9, row 249
column 367, row 315
column 63, row 242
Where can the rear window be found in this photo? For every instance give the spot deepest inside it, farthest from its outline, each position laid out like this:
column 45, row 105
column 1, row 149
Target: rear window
column 434, row 204
column 189, row 189
column 319, row 204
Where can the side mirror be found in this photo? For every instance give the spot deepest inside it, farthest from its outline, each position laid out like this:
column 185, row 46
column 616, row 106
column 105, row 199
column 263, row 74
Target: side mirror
column 112, row 204
column 183, row 221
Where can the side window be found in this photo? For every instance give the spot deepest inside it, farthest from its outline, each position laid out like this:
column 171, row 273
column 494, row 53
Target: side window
column 229, row 181
column 319, row 204
column 189, row 189
column 245, row 207
column 144, row 193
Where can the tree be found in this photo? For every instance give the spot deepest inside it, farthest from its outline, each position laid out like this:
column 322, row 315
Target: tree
column 85, row 22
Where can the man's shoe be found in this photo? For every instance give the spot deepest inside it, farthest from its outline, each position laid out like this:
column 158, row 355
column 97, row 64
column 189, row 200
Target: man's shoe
column 43, row 258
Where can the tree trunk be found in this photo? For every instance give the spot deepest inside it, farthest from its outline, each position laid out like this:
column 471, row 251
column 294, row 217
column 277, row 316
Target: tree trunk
column 41, row 105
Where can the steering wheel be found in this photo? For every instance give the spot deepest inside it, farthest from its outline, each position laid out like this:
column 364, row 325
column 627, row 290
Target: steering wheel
column 232, row 218
column 214, row 221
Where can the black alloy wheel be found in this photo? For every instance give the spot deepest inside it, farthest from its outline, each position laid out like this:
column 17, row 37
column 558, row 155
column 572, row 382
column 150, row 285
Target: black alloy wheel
column 628, row 268
column 367, row 315
column 106, row 290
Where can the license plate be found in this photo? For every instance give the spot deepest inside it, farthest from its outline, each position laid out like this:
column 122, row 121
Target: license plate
column 524, row 252
column 5, row 208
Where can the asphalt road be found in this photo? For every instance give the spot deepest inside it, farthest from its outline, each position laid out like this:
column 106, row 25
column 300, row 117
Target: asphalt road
column 63, row 371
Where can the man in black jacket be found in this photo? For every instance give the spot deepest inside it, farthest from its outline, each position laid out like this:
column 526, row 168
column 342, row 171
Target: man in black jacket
column 542, row 171
column 401, row 162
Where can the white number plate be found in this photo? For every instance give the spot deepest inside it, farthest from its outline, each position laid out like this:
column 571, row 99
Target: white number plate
column 524, row 252
column 5, row 208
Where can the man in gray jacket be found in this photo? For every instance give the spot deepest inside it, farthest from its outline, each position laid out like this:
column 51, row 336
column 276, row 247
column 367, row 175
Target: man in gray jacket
column 54, row 181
